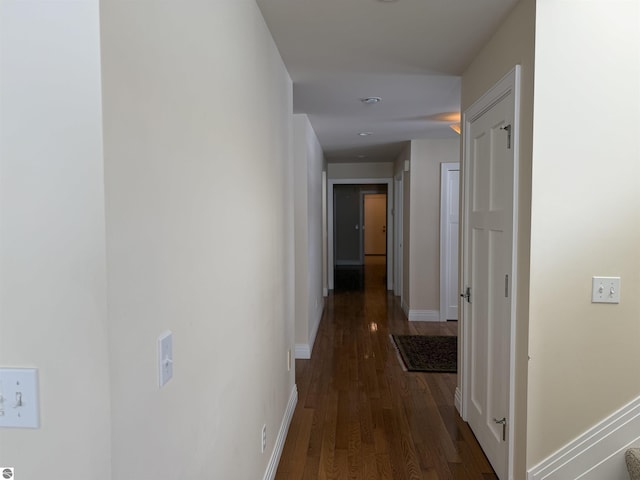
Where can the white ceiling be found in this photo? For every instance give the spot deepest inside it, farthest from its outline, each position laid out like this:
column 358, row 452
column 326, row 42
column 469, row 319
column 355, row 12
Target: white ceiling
column 410, row 53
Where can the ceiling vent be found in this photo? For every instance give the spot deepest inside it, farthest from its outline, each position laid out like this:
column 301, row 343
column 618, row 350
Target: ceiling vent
column 371, row 100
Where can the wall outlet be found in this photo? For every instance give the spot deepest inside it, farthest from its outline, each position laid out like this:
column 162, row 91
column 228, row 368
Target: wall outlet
column 264, row 438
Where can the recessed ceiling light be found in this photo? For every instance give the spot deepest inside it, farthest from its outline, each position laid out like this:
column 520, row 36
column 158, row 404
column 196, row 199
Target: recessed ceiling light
column 370, row 100
column 365, row 134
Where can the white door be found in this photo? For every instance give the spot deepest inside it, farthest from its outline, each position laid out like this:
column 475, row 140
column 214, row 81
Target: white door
column 449, row 193
column 489, row 171
column 397, row 222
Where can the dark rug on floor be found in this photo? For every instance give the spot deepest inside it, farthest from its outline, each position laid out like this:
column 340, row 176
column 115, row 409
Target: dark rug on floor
column 426, row 353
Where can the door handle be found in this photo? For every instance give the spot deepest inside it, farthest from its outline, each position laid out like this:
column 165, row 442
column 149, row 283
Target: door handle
column 503, row 422
column 467, row 295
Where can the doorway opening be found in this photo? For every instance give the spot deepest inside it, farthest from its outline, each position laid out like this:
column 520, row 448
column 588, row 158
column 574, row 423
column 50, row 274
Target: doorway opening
column 360, row 233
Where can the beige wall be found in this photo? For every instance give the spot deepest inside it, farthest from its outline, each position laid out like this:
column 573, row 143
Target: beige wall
column 585, row 218
column 53, row 310
column 360, row 170
column 309, row 164
column 198, row 149
column 424, row 278
column 512, row 44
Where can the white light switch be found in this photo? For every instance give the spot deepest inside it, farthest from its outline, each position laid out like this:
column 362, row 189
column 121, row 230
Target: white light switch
column 19, row 398
column 165, row 358
column 605, row 290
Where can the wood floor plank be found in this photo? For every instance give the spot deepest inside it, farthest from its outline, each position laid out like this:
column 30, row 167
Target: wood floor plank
column 327, row 451
column 360, row 415
column 300, row 458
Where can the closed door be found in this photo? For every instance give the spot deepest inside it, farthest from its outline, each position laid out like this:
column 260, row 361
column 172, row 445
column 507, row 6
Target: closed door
column 348, row 250
column 375, row 224
column 489, row 246
column 449, row 203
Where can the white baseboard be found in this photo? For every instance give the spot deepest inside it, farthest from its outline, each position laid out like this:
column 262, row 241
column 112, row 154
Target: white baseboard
column 316, row 324
column 325, row 292
column 598, row 453
column 303, row 350
column 423, row 316
column 458, row 400
column 272, row 466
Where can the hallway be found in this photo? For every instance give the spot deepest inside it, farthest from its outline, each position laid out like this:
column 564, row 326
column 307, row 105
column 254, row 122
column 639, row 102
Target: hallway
column 359, row 415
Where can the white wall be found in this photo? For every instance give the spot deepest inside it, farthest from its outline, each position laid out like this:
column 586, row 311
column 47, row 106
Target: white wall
column 53, row 312
column 198, row 149
column 585, row 218
column 309, row 164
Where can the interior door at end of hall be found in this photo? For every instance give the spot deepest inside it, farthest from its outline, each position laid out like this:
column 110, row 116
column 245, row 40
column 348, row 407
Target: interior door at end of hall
column 375, row 224
column 347, row 237
column 489, row 247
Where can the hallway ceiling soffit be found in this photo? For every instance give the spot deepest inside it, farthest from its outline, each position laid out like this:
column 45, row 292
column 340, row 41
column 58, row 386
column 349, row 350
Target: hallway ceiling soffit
column 410, row 53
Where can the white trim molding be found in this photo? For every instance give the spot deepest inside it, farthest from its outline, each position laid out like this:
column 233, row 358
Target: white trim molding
column 405, row 308
column 330, row 223
column 423, row 316
column 272, row 466
column 598, row 453
column 303, row 351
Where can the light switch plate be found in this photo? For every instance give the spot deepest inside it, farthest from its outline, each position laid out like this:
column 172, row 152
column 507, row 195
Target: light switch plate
column 605, row 290
column 19, row 398
column 165, row 358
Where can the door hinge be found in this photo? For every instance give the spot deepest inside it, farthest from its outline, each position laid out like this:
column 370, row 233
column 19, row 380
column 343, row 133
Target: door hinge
column 508, row 130
column 467, row 295
column 506, row 286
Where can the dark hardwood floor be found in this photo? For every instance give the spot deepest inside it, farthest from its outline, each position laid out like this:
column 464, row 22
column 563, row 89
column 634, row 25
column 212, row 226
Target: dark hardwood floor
column 359, row 415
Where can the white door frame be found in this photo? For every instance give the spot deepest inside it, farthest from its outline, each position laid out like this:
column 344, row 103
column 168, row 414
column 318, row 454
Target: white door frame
column 510, row 83
column 397, row 224
column 445, row 254
column 325, row 286
column 330, row 223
